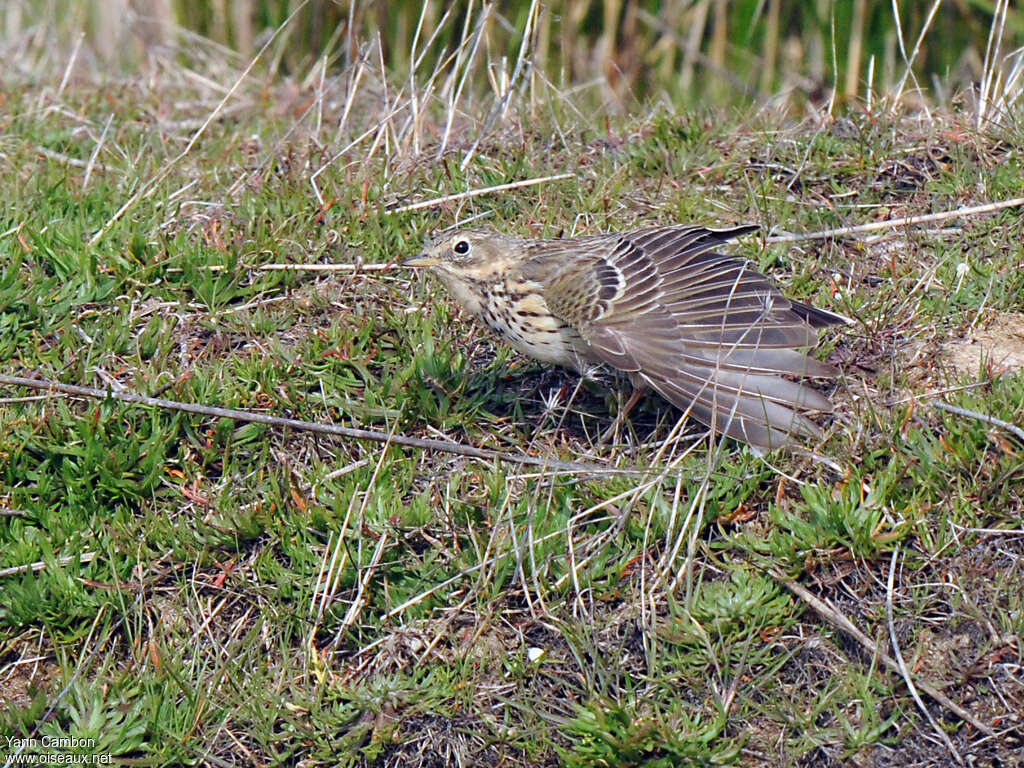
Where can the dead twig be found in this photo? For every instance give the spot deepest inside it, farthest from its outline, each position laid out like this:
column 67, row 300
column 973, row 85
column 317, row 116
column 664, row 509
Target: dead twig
column 352, row 433
column 324, row 267
column 980, row 417
column 346, row 267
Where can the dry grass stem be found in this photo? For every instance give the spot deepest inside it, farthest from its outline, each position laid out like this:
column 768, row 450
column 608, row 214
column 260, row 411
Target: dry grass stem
column 908, row 221
column 476, row 192
column 82, row 559
column 902, row 665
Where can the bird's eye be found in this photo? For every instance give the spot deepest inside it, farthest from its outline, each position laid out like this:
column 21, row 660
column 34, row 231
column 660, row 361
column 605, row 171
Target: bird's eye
column 461, row 247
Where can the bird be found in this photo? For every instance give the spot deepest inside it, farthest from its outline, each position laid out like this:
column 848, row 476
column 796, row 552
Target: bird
column 706, row 330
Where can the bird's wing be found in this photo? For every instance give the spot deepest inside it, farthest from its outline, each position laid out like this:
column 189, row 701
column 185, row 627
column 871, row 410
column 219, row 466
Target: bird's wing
column 709, row 333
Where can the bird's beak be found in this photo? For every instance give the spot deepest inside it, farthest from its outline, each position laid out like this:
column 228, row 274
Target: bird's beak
column 421, row 261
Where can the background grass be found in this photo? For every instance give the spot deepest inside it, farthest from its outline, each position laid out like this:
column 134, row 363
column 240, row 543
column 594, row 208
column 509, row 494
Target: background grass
column 185, row 590
column 621, row 52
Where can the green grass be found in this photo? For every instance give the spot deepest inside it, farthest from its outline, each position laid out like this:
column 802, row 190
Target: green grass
column 213, row 592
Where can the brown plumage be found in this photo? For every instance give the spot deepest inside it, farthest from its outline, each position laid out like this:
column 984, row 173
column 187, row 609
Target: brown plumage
column 708, row 332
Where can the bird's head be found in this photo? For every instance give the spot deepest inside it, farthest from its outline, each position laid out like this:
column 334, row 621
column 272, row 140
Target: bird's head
column 474, row 254
column 468, row 261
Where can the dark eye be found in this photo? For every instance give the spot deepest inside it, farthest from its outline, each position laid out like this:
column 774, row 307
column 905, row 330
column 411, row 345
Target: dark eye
column 461, row 247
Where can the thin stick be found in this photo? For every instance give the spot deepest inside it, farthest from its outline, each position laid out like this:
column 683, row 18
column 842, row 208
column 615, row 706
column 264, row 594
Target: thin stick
column 897, row 223
column 838, row 620
column 310, row 426
column 475, row 192
column 980, row 417
column 321, row 267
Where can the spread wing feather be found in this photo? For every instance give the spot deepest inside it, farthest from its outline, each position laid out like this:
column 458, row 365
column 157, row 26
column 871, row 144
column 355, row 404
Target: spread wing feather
column 708, row 332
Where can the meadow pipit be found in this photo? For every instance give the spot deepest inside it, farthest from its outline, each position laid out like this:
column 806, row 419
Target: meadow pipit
column 705, row 330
